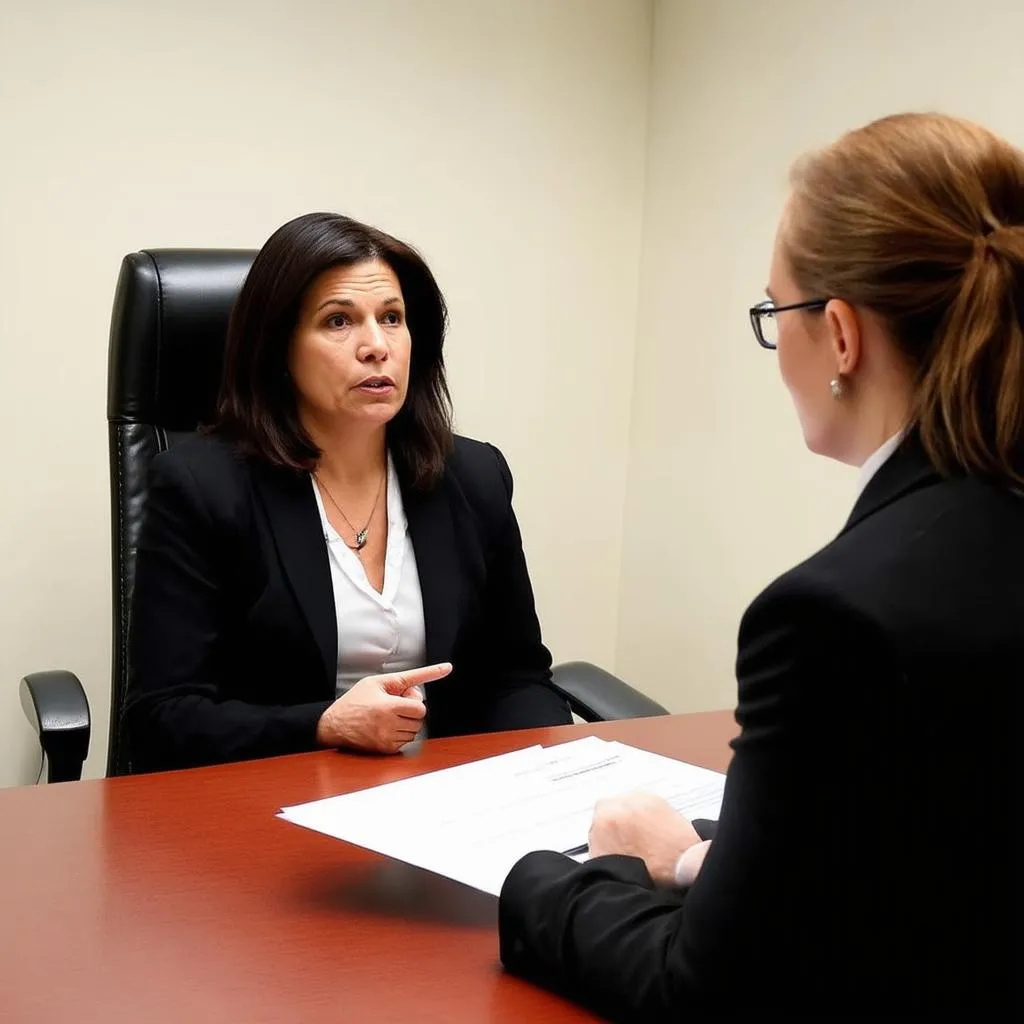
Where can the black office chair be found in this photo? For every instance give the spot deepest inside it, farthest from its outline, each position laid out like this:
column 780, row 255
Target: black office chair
column 164, row 363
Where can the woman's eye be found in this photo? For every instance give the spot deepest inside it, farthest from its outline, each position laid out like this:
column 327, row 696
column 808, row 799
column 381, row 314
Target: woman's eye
column 392, row 318
column 338, row 320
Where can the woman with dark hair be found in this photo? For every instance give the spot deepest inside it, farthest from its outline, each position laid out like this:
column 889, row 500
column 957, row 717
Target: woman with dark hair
column 329, row 566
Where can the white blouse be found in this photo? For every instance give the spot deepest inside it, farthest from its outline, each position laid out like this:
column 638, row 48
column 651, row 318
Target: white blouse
column 875, row 461
column 382, row 632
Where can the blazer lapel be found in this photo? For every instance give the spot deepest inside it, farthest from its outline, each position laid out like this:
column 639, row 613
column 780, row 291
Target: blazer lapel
column 298, row 534
column 438, row 563
column 907, row 469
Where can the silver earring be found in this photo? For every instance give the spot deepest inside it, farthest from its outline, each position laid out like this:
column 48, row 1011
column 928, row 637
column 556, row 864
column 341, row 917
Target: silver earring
column 838, row 388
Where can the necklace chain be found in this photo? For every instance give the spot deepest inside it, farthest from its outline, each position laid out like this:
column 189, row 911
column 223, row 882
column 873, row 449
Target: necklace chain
column 361, row 535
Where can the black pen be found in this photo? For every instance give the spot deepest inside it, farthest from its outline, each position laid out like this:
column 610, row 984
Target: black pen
column 576, row 850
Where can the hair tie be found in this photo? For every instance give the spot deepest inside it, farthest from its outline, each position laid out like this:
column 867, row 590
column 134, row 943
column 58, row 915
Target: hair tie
column 1005, row 240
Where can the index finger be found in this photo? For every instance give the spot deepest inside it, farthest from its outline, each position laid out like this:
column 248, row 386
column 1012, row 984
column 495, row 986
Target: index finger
column 402, row 681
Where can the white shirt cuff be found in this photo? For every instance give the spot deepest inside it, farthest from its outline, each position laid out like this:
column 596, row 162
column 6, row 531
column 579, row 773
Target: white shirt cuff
column 688, row 865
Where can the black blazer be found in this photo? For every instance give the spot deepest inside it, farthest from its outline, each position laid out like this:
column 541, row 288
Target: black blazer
column 867, row 852
column 233, row 639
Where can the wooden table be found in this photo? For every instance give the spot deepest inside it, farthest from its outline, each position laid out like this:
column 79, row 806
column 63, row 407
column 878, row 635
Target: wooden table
column 181, row 898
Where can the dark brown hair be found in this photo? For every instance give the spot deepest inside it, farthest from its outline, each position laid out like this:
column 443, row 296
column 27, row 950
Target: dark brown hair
column 920, row 217
column 257, row 404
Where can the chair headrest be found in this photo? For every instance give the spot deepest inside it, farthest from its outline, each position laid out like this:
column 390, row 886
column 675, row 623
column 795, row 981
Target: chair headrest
column 167, row 334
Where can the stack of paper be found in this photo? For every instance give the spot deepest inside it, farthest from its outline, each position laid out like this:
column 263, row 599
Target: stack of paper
column 473, row 822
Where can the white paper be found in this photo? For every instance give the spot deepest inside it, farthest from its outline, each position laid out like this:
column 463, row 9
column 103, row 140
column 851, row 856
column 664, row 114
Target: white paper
column 474, row 821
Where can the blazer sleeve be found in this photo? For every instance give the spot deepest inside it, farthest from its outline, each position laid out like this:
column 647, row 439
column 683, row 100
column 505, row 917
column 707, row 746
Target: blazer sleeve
column 176, row 714
column 603, row 934
column 518, row 692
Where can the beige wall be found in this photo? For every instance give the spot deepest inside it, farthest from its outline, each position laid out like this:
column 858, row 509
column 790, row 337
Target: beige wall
column 506, row 139
column 511, row 140
column 721, row 494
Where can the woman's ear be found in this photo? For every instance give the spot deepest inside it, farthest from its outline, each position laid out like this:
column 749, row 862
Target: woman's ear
column 843, row 328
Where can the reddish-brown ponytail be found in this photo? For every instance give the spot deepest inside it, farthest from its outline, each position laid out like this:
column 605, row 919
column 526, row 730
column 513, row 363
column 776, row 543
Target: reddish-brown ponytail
column 920, row 217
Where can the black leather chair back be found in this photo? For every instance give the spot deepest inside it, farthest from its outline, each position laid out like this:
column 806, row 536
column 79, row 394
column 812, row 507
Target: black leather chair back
column 167, row 337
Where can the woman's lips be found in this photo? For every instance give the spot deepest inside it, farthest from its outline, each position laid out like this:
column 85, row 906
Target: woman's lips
column 380, row 387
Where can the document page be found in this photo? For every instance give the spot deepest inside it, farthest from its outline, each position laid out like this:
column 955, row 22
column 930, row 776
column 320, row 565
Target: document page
column 474, row 821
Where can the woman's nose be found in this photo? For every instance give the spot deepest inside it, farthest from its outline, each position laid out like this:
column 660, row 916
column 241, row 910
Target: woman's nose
column 373, row 344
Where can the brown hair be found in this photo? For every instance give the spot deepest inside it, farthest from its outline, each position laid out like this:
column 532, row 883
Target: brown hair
column 257, row 406
column 920, row 218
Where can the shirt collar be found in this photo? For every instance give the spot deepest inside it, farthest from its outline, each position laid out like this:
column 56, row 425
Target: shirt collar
column 396, row 507
column 874, row 462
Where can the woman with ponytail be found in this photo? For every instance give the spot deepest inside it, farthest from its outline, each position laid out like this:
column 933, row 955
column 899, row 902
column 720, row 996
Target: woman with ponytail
column 868, row 853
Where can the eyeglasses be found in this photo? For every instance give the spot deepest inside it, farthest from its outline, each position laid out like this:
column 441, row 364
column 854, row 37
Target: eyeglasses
column 762, row 319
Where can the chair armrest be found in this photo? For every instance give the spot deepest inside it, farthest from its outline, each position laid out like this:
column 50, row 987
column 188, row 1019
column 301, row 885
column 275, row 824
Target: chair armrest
column 58, row 709
column 598, row 696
